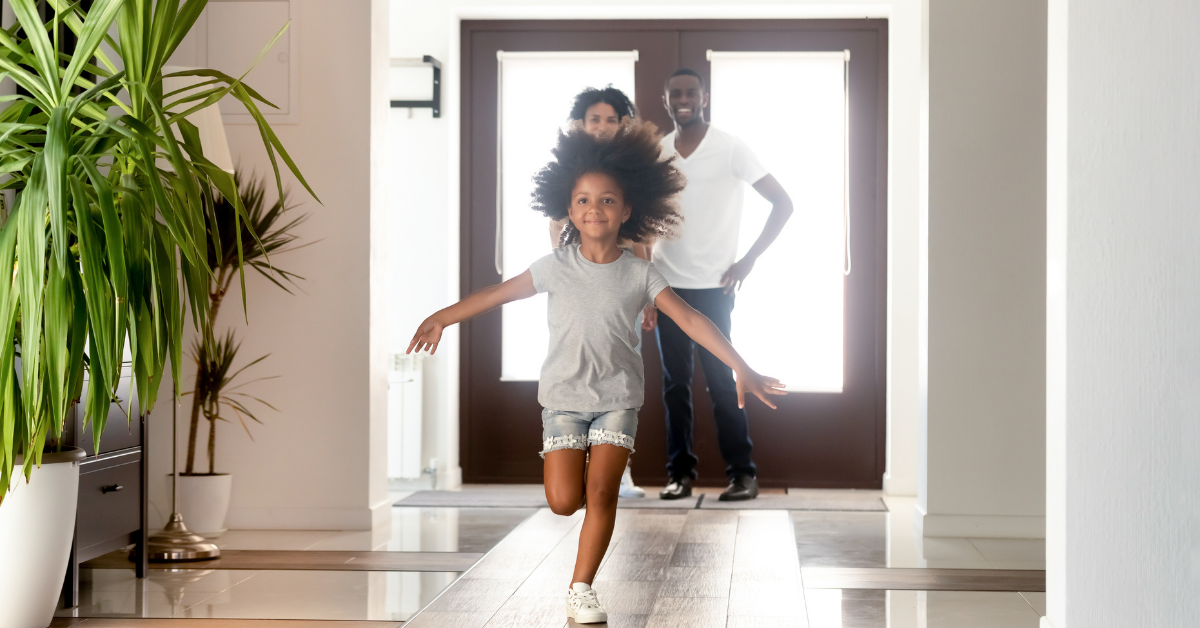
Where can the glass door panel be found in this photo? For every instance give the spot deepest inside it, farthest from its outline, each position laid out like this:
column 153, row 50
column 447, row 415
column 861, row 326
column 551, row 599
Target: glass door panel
column 790, row 109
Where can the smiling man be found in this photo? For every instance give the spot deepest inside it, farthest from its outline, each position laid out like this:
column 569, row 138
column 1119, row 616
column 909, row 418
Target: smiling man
column 702, row 266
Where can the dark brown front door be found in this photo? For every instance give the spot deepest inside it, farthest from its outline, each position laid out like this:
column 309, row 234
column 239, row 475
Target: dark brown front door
column 814, row 439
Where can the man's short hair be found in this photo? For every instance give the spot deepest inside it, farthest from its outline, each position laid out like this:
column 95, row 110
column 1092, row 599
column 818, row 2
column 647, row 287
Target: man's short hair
column 685, row 72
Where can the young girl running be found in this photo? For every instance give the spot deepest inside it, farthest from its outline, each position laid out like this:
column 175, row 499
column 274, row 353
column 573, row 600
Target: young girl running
column 592, row 384
column 600, row 112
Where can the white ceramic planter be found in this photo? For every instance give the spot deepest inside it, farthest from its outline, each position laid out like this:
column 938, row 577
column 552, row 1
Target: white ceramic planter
column 204, row 502
column 37, row 521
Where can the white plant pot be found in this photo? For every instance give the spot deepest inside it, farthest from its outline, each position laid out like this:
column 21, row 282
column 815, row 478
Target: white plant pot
column 37, row 522
column 204, row 502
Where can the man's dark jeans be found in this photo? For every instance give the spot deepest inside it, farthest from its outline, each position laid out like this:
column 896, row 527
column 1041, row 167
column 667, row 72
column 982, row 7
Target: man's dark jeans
column 676, row 349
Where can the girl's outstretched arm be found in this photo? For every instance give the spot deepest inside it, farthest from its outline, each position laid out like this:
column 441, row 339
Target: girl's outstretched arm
column 700, row 329
column 429, row 334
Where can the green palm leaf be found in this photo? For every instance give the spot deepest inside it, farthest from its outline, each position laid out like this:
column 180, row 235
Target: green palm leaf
column 102, row 238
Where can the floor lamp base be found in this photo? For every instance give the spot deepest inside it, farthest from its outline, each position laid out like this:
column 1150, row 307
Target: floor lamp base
column 176, row 543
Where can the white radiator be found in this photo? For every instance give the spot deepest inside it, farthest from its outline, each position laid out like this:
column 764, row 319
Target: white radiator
column 404, row 415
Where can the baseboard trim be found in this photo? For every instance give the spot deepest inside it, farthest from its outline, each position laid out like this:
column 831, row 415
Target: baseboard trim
column 979, row 526
column 278, row 518
column 899, row 486
column 381, row 513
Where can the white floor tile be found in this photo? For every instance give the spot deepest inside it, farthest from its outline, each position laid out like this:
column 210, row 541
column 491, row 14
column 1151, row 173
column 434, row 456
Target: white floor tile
column 271, row 539
column 1038, row 565
column 156, row 604
column 951, row 554
column 353, row 541
column 326, row 595
column 946, row 609
column 926, row 609
column 161, row 580
column 1037, row 601
column 1024, row 551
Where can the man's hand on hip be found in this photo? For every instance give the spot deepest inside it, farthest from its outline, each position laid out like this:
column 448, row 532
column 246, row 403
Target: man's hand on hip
column 649, row 318
column 733, row 278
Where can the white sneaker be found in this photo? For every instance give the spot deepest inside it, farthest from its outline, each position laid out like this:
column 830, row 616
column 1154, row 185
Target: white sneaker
column 582, row 605
column 628, row 488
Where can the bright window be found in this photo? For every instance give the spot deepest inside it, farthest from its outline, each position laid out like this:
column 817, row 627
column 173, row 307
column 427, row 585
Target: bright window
column 790, row 108
column 537, row 90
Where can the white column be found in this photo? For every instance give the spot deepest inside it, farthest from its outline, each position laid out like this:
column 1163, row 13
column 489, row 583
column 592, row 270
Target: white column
column 983, row 431
column 381, row 244
column 904, row 105
column 1123, row 408
column 1056, row 312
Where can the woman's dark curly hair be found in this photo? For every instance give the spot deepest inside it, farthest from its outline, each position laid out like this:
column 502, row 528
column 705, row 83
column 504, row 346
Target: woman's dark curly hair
column 609, row 95
column 631, row 158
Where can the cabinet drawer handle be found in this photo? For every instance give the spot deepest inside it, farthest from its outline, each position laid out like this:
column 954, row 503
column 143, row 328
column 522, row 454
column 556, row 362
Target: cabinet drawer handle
column 111, row 489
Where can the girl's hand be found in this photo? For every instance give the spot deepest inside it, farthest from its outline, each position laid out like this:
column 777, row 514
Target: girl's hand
column 750, row 382
column 428, row 335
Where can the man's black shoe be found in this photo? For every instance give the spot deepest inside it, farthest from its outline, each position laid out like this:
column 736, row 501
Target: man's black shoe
column 677, row 488
column 742, row 487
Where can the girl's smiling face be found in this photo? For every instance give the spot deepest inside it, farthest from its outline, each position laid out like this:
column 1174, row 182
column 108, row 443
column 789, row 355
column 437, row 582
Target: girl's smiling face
column 598, row 207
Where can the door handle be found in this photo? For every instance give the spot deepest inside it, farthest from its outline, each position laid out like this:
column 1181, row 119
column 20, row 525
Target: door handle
column 111, row 489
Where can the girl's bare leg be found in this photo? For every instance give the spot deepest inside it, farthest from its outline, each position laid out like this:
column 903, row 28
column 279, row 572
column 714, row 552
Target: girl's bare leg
column 563, row 475
column 603, row 481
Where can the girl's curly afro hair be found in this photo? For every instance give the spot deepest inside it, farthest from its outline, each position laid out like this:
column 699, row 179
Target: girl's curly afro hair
column 632, row 159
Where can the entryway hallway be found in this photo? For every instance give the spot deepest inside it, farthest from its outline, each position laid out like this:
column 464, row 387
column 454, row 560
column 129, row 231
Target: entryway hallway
column 476, row 567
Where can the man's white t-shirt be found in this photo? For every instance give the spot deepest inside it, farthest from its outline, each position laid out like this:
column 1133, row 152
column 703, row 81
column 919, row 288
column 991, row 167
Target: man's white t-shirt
column 712, row 209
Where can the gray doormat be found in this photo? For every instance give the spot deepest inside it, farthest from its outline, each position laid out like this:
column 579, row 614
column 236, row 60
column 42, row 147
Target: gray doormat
column 805, row 499
column 651, row 500
column 521, row 496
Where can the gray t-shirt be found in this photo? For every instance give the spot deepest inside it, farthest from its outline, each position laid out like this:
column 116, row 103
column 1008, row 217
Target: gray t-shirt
column 592, row 365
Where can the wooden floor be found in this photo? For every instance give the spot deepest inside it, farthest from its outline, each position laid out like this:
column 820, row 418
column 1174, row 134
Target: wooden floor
column 675, row 569
column 664, row 569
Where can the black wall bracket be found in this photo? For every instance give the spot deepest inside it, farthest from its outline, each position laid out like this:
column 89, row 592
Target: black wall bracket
column 436, row 103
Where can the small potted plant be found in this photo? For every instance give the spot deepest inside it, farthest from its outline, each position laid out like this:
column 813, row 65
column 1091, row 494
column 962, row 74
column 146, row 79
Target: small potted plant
column 217, row 396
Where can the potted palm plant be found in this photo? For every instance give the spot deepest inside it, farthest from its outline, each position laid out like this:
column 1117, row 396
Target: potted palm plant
column 218, row 395
column 95, row 249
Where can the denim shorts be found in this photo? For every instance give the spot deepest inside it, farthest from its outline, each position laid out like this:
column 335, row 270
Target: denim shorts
column 563, row 429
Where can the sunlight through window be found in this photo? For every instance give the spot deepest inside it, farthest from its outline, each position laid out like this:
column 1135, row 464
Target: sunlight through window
column 790, row 108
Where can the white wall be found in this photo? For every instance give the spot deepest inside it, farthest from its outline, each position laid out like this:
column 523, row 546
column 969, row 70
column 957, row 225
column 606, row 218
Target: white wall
column 984, row 428
column 424, row 188
column 1124, row 197
column 1056, row 314
column 318, row 463
column 379, row 107
column 905, row 68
